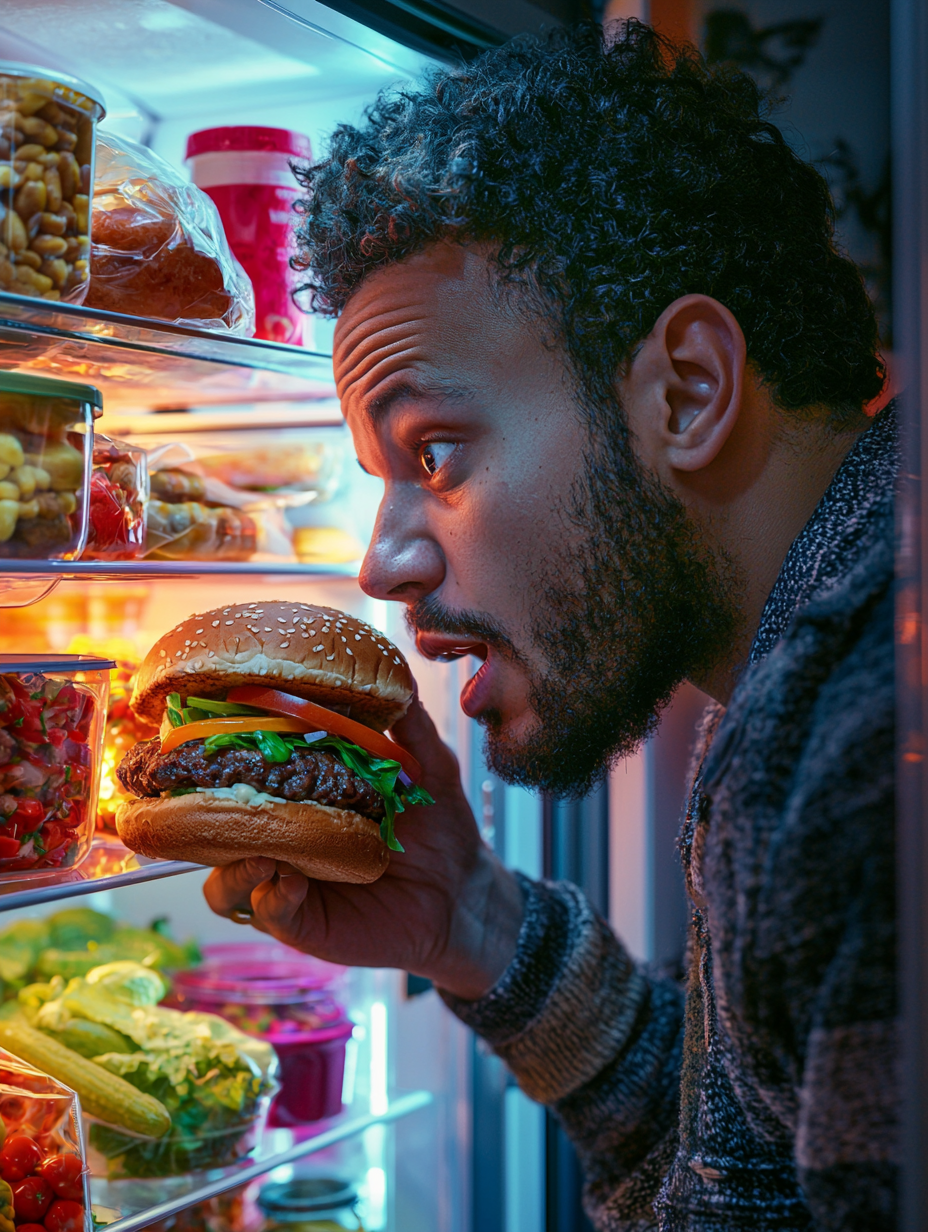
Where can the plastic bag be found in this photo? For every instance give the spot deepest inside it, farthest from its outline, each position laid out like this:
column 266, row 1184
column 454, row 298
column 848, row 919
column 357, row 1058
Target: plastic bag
column 158, row 247
column 39, row 1108
column 119, row 491
column 197, row 517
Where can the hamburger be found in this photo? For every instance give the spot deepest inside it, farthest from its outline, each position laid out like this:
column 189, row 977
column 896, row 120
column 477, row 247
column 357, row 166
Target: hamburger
column 271, row 742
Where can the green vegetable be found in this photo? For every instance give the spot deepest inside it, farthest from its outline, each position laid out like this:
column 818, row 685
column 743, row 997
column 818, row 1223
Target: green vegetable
column 72, row 928
column 222, row 709
column 175, row 710
column 92, row 1039
column 208, row 1075
column 381, row 773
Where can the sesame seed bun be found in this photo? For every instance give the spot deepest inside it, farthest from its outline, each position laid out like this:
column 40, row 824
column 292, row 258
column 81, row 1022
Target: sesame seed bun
column 317, row 653
column 331, row 844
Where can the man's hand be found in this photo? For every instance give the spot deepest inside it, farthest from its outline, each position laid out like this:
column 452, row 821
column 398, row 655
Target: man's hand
column 445, row 908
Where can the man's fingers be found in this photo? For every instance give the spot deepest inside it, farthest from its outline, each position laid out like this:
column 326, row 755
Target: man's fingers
column 230, row 887
column 277, row 902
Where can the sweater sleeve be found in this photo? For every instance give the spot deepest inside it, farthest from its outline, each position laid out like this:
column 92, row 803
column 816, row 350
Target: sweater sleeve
column 591, row 1034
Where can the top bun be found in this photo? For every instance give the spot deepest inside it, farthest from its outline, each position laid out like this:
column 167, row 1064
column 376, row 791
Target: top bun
column 317, row 653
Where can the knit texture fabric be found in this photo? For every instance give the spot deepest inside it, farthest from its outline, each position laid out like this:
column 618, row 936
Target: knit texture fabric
column 766, row 1096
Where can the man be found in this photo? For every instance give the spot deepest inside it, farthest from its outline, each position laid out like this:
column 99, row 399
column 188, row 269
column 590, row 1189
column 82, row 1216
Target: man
column 596, row 338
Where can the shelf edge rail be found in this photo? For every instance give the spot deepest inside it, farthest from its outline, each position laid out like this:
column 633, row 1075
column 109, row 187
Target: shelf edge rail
column 402, row 1106
column 909, row 76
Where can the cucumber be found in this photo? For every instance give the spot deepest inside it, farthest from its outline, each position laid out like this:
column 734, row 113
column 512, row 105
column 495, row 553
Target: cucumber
column 102, row 1094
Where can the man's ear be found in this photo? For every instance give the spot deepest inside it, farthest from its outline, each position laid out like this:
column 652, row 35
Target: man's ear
column 684, row 386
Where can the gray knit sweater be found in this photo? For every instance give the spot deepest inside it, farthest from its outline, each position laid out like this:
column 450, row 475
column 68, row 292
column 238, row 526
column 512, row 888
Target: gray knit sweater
column 765, row 1095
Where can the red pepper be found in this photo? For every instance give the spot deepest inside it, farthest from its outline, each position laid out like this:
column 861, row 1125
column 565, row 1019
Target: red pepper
column 57, row 736
column 30, row 810
column 9, row 847
column 77, row 736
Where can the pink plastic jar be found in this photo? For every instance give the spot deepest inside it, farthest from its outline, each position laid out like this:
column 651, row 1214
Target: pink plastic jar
column 246, row 170
column 281, row 996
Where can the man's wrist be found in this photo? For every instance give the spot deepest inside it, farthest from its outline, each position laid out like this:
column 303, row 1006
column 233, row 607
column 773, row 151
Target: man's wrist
column 485, row 931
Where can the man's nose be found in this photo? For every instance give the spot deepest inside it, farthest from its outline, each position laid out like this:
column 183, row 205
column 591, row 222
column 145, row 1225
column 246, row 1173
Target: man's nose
column 403, row 561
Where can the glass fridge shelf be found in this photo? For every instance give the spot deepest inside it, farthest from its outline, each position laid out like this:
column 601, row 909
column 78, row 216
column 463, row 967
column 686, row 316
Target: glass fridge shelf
column 127, row 1205
column 108, row 866
column 144, row 570
column 150, row 365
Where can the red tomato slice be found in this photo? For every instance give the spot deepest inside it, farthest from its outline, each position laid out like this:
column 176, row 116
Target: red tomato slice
column 9, row 847
column 318, row 717
column 220, row 727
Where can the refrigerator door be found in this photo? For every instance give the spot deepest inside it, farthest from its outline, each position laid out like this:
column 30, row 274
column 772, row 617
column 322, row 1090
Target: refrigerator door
column 446, row 31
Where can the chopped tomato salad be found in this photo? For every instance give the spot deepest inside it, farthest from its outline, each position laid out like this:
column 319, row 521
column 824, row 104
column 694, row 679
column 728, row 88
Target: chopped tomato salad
column 45, row 770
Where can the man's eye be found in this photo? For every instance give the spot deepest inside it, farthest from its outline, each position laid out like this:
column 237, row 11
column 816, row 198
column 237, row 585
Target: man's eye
column 434, row 455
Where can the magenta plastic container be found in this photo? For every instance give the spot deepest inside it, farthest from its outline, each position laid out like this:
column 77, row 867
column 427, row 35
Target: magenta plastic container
column 246, row 170
column 282, row 996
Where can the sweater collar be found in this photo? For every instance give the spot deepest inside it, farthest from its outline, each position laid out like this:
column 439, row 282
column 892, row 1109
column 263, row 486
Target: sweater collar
column 844, row 523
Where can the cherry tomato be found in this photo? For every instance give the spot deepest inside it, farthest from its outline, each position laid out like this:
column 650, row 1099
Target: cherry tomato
column 19, row 1155
column 30, row 1227
column 9, row 847
column 65, row 1174
column 64, row 1216
column 31, row 810
column 31, row 1199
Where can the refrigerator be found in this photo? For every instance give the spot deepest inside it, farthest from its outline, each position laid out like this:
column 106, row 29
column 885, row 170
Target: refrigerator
column 434, row 1135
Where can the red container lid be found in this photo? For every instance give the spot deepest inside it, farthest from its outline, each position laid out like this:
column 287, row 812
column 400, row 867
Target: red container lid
column 249, row 137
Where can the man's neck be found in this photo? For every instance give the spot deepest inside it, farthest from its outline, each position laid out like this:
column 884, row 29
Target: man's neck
column 757, row 529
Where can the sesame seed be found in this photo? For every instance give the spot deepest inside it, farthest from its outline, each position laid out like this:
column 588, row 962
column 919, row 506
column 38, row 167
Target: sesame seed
column 320, row 647
column 385, row 655
column 215, row 624
column 177, row 654
column 201, row 630
column 395, row 659
column 187, row 643
column 329, row 658
column 325, row 628
column 162, row 653
column 211, row 654
column 306, row 635
column 281, row 621
column 348, row 650
column 268, row 629
column 284, row 644
column 344, row 639
column 357, row 637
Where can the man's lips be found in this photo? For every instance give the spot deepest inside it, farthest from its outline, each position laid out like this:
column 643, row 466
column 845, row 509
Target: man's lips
column 446, row 646
column 475, row 694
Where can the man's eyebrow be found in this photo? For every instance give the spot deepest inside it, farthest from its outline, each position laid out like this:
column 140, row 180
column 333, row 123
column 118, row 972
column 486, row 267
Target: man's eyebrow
column 380, row 407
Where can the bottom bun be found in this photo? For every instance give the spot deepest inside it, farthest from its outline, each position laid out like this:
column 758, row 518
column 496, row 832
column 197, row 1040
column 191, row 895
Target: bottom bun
column 327, row 843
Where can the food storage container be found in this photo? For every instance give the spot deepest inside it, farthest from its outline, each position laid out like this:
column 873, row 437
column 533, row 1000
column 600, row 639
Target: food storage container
column 119, row 492
column 246, row 171
column 124, row 729
column 52, row 716
column 313, row 1203
column 283, row 997
column 47, row 129
column 41, row 1157
column 118, row 1154
column 46, row 447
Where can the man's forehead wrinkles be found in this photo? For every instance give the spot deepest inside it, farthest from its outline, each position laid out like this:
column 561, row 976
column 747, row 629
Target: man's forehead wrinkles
column 362, row 372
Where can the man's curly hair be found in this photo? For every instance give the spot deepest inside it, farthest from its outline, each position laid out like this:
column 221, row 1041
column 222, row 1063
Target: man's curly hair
column 611, row 177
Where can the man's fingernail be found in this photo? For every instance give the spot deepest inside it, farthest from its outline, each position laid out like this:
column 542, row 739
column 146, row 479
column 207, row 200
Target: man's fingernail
column 293, row 886
column 259, row 867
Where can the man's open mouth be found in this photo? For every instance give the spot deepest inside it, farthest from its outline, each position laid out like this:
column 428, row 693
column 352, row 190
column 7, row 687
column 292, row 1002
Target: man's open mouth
column 446, row 646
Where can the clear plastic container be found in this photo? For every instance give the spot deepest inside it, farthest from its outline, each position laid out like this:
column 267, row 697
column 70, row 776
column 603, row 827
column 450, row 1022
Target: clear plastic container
column 47, row 129
column 118, row 1154
column 52, row 716
column 284, row 997
column 246, row 170
column 42, row 1141
column 46, row 447
column 312, row 1203
column 119, row 493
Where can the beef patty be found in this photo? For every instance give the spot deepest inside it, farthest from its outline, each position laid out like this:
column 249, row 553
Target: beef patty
column 146, row 771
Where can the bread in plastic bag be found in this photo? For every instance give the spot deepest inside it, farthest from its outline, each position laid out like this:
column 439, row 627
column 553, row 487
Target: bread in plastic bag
column 192, row 516
column 44, row 1110
column 158, row 247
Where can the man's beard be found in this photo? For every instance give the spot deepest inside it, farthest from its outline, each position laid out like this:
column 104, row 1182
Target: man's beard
column 640, row 605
